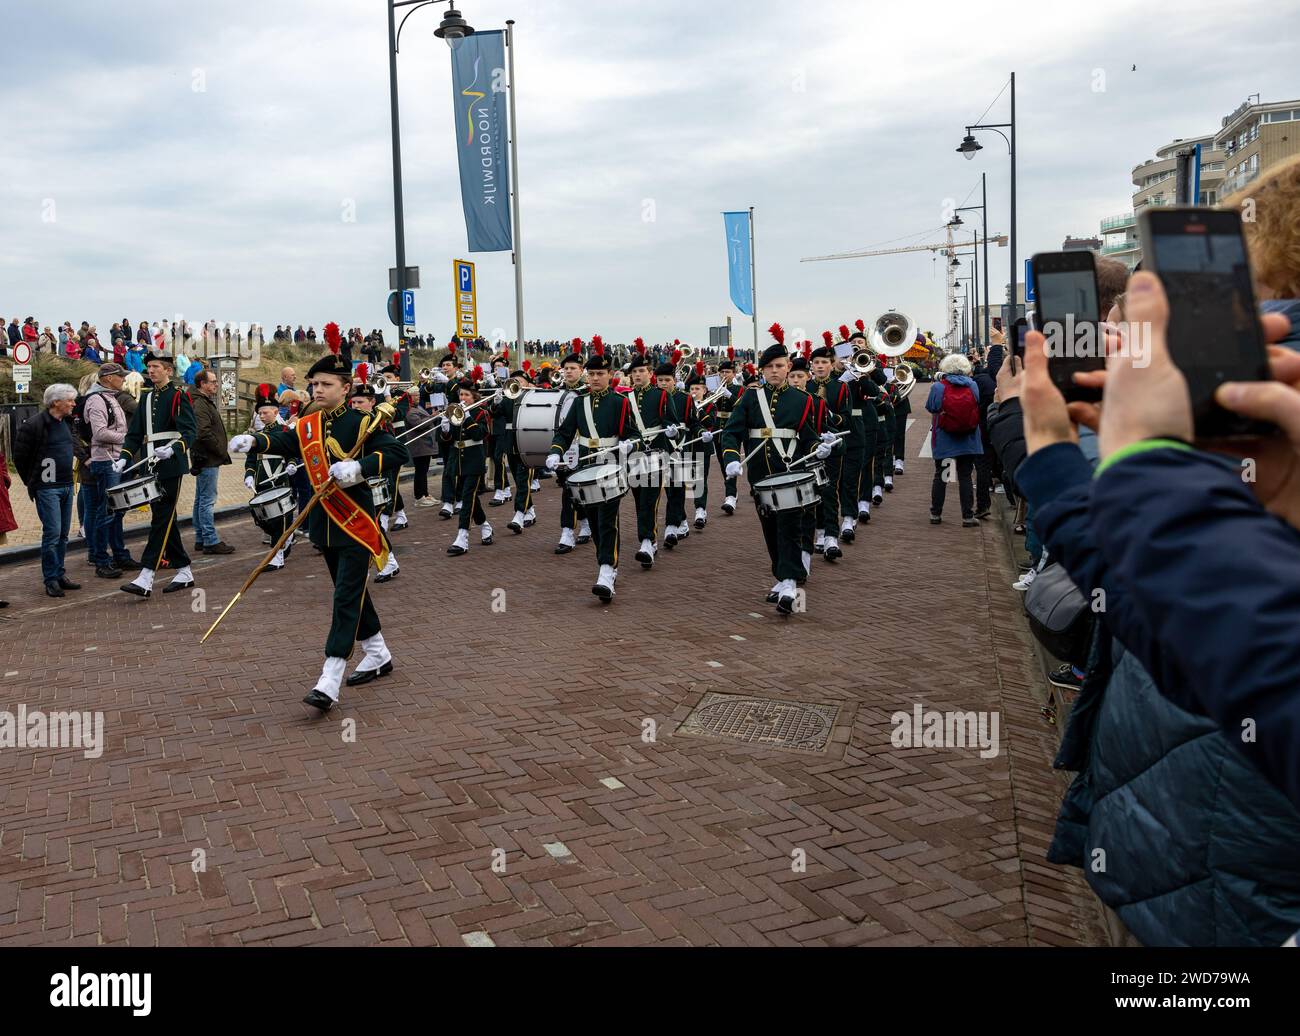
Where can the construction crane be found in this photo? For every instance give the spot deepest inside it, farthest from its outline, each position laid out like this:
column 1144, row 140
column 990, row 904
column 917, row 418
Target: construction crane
column 947, row 247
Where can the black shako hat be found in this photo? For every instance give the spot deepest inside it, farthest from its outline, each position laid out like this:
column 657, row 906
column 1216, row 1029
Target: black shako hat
column 331, row 364
column 772, row 352
column 665, row 369
column 597, row 363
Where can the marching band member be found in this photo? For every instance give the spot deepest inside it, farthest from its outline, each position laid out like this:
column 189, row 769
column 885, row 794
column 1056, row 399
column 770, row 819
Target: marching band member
column 797, row 378
column 706, row 424
column 649, row 406
column 571, row 367
column 343, row 526
column 163, row 428
column 727, row 376
column 599, row 420
column 678, row 413
column 394, row 517
column 501, row 440
column 835, row 394
column 443, row 379
column 885, row 432
column 268, row 471
column 503, row 415
column 902, row 408
column 860, row 447
column 364, row 398
column 469, row 456
column 781, row 422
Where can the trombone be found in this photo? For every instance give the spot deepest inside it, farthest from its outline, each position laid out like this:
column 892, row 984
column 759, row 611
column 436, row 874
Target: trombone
column 686, row 363
column 457, row 413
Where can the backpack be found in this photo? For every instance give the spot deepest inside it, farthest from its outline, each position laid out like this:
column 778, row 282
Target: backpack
column 959, row 413
column 81, row 424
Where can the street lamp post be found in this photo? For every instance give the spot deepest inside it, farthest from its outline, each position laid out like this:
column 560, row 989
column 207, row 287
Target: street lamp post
column 984, row 225
column 970, row 145
column 453, row 27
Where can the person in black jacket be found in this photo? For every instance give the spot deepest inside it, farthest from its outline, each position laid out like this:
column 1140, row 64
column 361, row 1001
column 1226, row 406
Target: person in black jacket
column 43, row 456
column 984, row 462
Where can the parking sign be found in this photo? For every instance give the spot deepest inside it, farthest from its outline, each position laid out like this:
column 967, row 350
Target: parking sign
column 464, row 298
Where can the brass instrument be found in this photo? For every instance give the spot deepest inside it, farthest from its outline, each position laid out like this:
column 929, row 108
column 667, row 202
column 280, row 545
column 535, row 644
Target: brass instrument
column 686, row 363
column 892, row 334
column 863, row 362
column 458, row 413
column 905, row 379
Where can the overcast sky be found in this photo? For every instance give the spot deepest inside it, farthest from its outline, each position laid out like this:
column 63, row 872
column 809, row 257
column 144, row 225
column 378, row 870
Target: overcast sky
column 164, row 158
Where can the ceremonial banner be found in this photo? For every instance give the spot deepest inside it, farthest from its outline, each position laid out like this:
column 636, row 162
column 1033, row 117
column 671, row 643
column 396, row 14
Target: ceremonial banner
column 738, row 261
column 478, row 87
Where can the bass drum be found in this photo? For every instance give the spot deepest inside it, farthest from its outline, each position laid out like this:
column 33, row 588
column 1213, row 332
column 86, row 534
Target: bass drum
column 538, row 415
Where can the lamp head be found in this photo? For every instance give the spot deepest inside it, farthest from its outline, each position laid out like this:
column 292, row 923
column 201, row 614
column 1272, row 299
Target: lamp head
column 453, row 27
column 969, row 145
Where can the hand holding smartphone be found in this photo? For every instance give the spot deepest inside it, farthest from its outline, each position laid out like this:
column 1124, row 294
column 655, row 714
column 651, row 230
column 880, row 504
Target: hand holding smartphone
column 1066, row 312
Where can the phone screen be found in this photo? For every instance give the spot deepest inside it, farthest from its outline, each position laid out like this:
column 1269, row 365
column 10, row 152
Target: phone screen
column 1065, row 311
column 1213, row 329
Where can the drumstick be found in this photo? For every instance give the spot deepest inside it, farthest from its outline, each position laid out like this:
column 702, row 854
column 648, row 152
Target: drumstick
column 326, row 487
column 146, row 460
column 808, row 456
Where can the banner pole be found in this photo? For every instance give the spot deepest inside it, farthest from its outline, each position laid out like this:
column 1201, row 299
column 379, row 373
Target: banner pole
column 753, row 282
column 514, row 198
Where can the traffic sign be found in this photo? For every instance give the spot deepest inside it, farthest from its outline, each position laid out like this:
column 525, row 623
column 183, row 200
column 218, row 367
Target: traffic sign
column 407, row 312
column 22, row 371
column 465, row 298
column 1031, row 290
column 22, row 353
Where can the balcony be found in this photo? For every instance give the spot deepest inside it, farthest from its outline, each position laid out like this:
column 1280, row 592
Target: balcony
column 1131, row 245
column 1117, row 222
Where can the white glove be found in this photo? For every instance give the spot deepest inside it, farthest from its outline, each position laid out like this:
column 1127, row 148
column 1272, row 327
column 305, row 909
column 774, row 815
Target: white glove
column 346, row 472
column 830, row 438
column 849, row 375
column 673, row 430
column 242, row 443
column 733, row 469
column 625, row 447
column 163, row 453
column 706, row 437
column 823, row 451
column 119, row 465
column 444, row 426
column 552, row 461
column 248, row 481
column 439, row 377
column 290, row 469
column 498, row 395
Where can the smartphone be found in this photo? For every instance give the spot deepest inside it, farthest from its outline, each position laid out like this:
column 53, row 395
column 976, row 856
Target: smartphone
column 997, row 323
column 1065, row 311
column 1021, row 328
column 1213, row 334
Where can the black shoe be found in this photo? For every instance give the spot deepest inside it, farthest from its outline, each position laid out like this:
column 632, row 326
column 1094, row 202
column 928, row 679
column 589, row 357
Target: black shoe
column 1019, row 530
column 218, row 548
column 455, row 550
column 864, row 517
column 889, row 487
column 603, row 592
column 819, row 548
column 108, row 572
column 646, row 559
column 389, row 576
column 366, row 675
column 495, row 503
column 833, row 553
column 485, row 543
column 699, row 523
column 935, row 519
column 670, row 541
column 53, row 589
column 134, row 588
column 847, row 535
column 68, row 584
column 583, row 539
column 967, row 523
column 529, row 522
column 985, row 513
column 394, row 527
column 127, row 564
column 772, row 597
column 319, row 700
column 728, row 509
column 1064, row 677
column 173, row 586
column 785, row 605
column 563, row 548
column 515, row 527
column 272, row 568
column 444, row 514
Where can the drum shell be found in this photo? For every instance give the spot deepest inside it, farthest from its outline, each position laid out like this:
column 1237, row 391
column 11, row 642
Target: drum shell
column 136, row 493
column 273, row 504
column 598, row 484
column 646, row 469
column 537, row 417
column 380, row 494
column 786, row 492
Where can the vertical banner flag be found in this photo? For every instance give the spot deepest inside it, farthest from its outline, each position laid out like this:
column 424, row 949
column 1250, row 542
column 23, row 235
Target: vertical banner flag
column 478, row 86
column 738, row 263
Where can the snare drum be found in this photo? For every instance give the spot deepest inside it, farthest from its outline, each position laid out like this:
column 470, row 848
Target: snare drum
column 379, row 492
column 788, row 491
column 538, row 415
column 598, row 484
column 136, row 493
column 272, row 504
column 820, row 475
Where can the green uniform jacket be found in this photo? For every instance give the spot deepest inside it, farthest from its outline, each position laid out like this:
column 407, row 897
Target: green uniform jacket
column 702, row 419
column 652, row 403
column 172, row 412
column 467, row 445
column 613, row 413
column 791, row 408
column 380, row 454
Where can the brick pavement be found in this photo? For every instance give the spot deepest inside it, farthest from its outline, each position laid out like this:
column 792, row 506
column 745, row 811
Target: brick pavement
column 491, row 741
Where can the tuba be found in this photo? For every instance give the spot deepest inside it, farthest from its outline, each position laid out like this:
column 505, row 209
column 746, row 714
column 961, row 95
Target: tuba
column 892, row 334
column 905, row 379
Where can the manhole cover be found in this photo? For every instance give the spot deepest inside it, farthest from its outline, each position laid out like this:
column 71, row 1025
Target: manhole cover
column 795, row 725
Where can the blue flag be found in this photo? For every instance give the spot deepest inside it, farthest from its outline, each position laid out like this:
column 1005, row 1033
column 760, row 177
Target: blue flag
column 478, row 90
column 738, row 264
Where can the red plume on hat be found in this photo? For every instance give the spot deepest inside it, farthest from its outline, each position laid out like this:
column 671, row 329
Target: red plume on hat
column 700, row 368
column 844, row 332
column 677, row 357
column 828, row 338
column 451, row 346
column 505, row 355
column 528, row 366
column 477, row 372
column 363, row 372
column 677, row 341
column 807, row 349
column 777, row 332
column 639, row 342
column 859, row 324
column 266, row 395
column 749, row 367
column 332, row 337
column 598, row 344
column 576, row 345
column 731, row 352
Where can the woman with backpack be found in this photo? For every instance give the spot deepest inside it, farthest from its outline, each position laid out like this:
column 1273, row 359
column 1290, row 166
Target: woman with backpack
column 954, row 436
